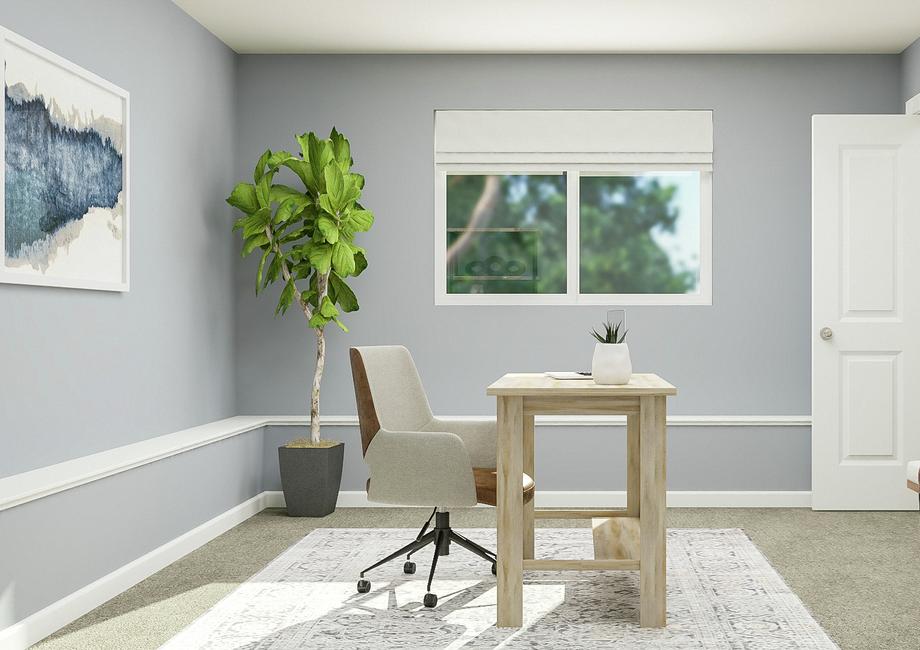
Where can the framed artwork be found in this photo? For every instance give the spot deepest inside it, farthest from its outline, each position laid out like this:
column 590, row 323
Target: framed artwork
column 64, row 196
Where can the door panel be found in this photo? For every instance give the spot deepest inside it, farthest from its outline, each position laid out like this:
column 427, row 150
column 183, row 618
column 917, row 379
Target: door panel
column 869, row 409
column 866, row 289
column 870, row 225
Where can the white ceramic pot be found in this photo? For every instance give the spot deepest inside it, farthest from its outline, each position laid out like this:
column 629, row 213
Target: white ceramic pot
column 611, row 363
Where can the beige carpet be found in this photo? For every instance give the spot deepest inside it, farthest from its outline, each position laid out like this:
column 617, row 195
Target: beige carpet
column 857, row 573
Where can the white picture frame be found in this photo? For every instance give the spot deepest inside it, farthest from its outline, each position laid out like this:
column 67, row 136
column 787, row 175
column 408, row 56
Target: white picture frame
column 64, row 81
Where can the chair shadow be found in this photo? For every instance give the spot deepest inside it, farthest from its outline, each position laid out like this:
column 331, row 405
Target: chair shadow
column 354, row 622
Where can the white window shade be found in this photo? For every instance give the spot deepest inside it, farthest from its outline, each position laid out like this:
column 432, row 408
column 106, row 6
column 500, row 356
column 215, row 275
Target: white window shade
column 563, row 136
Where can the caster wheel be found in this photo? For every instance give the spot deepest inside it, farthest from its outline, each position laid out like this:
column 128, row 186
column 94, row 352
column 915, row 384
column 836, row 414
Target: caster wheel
column 430, row 600
column 494, row 569
column 409, row 567
column 364, row 586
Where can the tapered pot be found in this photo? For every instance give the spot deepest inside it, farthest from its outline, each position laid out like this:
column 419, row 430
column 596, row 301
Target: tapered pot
column 310, row 478
column 611, row 364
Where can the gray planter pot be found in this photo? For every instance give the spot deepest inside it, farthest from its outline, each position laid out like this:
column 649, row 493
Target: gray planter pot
column 310, row 478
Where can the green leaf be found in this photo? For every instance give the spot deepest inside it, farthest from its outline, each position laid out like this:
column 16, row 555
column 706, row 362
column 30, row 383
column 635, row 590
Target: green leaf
column 328, row 228
column 318, row 321
column 352, row 191
column 361, row 220
column 335, row 186
column 255, row 223
column 281, row 193
column 321, row 257
column 264, row 191
column 343, row 293
column 243, row 197
column 314, row 289
column 285, row 211
column 296, row 235
column 287, row 297
column 253, row 243
column 302, row 270
column 274, row 270
column 360, row 264
column 303, row 171
column 341, row 325
column 279, row 158
column 326, row 203
column 304, row 142
column 341, row 149
column 320, row 155
column 304, row 249
column 343, row 259
column 261, row 267
column 328, row 308
column 259, row 170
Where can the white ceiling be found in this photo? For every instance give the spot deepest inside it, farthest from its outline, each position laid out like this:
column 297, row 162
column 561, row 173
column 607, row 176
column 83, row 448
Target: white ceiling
column 402, row 26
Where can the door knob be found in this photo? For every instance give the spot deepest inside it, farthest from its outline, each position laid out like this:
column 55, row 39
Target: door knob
column 826, row 333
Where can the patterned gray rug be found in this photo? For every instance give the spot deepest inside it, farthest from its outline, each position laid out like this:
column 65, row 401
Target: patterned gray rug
column 722, row 593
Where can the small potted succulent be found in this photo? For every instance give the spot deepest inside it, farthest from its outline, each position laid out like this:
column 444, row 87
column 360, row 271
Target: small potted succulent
column 611, row 363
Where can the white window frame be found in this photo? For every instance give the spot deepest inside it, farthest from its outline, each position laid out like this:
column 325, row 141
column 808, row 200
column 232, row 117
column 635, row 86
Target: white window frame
column 572, row 296
column 573, row 165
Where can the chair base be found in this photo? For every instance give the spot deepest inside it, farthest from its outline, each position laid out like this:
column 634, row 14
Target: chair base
column 441, row 536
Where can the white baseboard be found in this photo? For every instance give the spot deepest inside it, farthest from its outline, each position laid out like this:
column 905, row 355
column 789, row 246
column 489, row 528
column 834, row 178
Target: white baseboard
column 62, row 612
column 613, row 499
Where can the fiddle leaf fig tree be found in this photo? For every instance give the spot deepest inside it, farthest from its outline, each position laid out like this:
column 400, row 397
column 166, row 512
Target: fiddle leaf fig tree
column 306, row 236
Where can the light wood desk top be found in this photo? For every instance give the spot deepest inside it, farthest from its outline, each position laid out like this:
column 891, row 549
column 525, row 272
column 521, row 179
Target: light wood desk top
column 537, row 383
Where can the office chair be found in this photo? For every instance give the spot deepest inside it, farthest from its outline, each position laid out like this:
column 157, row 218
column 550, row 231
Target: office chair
column 416, row 459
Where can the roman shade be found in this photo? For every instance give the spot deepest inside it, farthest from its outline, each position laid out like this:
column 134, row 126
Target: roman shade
column 574, row 136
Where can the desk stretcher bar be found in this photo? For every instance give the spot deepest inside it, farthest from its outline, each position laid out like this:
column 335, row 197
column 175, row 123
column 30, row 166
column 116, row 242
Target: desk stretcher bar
column 616, row 547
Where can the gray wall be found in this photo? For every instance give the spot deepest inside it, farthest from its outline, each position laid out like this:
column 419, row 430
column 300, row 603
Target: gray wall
column 84, row 371
column 910, row 71
column 748, row 353
column 53, row 546
column 699, row 458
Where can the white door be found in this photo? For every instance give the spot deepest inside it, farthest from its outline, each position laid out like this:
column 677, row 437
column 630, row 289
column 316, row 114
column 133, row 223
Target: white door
column 866, row 310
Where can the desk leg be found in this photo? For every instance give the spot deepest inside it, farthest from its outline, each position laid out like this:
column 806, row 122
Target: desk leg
column 529, row 470
column 510, row 570
column 652, row 556
column 632, row 465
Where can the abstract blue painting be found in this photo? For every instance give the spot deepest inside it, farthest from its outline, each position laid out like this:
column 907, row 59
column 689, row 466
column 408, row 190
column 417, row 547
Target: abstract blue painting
column 65, row 172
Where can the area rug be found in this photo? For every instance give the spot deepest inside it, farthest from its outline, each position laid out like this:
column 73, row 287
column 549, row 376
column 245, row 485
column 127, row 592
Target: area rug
column 722, row 593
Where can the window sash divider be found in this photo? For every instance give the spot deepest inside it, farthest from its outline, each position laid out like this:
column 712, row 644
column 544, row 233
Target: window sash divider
column 572, row 234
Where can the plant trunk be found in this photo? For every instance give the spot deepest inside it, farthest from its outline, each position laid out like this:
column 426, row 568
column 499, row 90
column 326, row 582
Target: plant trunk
column 317, row 379
column 322, row 285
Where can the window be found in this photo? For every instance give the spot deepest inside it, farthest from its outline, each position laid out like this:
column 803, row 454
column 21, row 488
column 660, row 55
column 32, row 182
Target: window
column 533, row 207
column 506, row 233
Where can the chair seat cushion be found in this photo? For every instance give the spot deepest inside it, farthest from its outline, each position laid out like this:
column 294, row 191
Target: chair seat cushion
column 487, row 486
column 913, row 475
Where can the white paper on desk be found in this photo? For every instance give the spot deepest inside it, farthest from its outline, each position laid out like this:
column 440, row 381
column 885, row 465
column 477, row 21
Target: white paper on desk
column 563, row 374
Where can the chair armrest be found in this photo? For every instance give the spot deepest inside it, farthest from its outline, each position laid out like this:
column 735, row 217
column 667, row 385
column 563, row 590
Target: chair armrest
column 478, row 437
column 420, row 468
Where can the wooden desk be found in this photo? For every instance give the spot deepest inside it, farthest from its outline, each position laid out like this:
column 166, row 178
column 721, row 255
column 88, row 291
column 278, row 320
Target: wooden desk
column 624, row 540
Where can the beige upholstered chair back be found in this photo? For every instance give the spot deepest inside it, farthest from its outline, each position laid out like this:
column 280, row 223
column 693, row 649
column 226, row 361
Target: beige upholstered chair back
column 388, row 391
